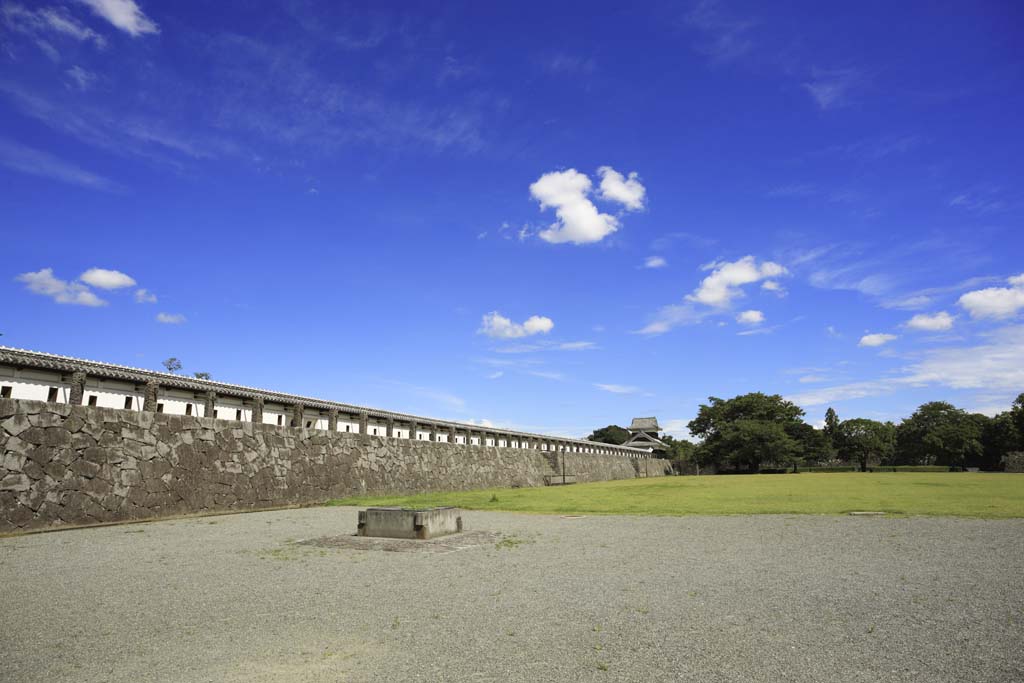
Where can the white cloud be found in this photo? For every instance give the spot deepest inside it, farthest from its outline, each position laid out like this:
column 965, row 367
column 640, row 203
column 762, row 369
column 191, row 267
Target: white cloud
column 750, row 318
column 498, row 326
column 980, row 202
column 170, row 318
column 496, row 375
column 655, row 262
column 144, row 296
column 81, row 78
column 908, row 302
column 996, row 365
column 627, row 191
column 833, row 332
column 723, row 285
column 830, row 88
column 576, row 346
column 726, row 38
column 106, row 279
column 671, row 316
column 18, row 157
column 995, row 302
column 63, row 292
column 547, row 374
column 47, row 20
column 876, row 339
column 931, row 323
column 617, row 388
column 677, row 428
column 579, row 221
column 124, row 14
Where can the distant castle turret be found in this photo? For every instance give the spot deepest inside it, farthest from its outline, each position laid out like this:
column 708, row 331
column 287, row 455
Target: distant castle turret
column 643, row 433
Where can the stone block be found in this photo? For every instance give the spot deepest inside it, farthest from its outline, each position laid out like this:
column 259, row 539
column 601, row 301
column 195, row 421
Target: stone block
column 85, row 468
column 16, row 424
column 394, row 522
column 47, row 419
column 15, row 481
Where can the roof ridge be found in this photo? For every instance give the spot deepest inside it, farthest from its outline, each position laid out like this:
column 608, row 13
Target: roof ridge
column 212, row 384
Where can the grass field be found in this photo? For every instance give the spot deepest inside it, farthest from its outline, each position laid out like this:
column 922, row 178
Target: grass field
column 987, row 495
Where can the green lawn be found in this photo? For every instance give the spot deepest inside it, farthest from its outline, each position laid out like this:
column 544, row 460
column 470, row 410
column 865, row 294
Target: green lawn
column 990, row 495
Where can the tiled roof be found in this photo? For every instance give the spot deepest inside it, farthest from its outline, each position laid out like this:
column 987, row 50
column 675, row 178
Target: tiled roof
column 68, row 364
column 645, row 424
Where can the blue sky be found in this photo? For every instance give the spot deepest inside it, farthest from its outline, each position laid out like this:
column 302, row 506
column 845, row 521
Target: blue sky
column 533, row 216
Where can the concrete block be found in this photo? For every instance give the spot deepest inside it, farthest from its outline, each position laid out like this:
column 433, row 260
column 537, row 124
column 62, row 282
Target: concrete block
column 396, row 522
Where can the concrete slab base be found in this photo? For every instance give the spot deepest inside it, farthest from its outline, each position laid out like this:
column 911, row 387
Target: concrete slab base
column 396, row 522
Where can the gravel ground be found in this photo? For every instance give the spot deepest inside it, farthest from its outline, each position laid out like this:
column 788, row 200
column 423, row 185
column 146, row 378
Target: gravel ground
column 762, row 598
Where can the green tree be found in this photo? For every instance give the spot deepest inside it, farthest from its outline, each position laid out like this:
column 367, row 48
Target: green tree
column 938, row 433
column 201, row 375
column 612, row 434
column 831, row 426
column 172, row 364
column 750, row 444
column 865, row 442
column 999, row 436
column 682, row 454
column 763, row 419
column 1017, row 416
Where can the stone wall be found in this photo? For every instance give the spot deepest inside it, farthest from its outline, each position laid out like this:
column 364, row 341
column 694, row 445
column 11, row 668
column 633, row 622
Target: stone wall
column 71, row 465
column 1014, row 462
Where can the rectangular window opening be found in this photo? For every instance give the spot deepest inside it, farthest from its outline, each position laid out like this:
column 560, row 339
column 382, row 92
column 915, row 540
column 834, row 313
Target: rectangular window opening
column 188, row 408
column 215, row 411
column 127, row 402
column 375, row 431
column 92, row 400
column 279, row 418
column 348, row 428
column 238, row 415
column 309, row 423
column 51, row 395
column 159, row 407
column 5, row 392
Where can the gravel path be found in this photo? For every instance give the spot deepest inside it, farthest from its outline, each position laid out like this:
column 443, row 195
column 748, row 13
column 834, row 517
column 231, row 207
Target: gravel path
column 764, row 598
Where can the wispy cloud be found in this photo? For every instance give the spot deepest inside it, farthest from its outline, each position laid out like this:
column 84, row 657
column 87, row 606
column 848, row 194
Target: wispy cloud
column 144, row 296
column 547, row 374
column 876, row 148
column 170, row 318
column 54, row 21
column 618, row 388
column 23, row 159
column 546, row 345
column 724, row 38
column 997, row 365
column 715, row 293
column 565, row 64
column 979, row 200
column 832, row 88
column 655, row 262
column 667, row 240
column 80, row 78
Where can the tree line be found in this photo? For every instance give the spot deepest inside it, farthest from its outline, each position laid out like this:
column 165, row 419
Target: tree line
column 757, row 432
